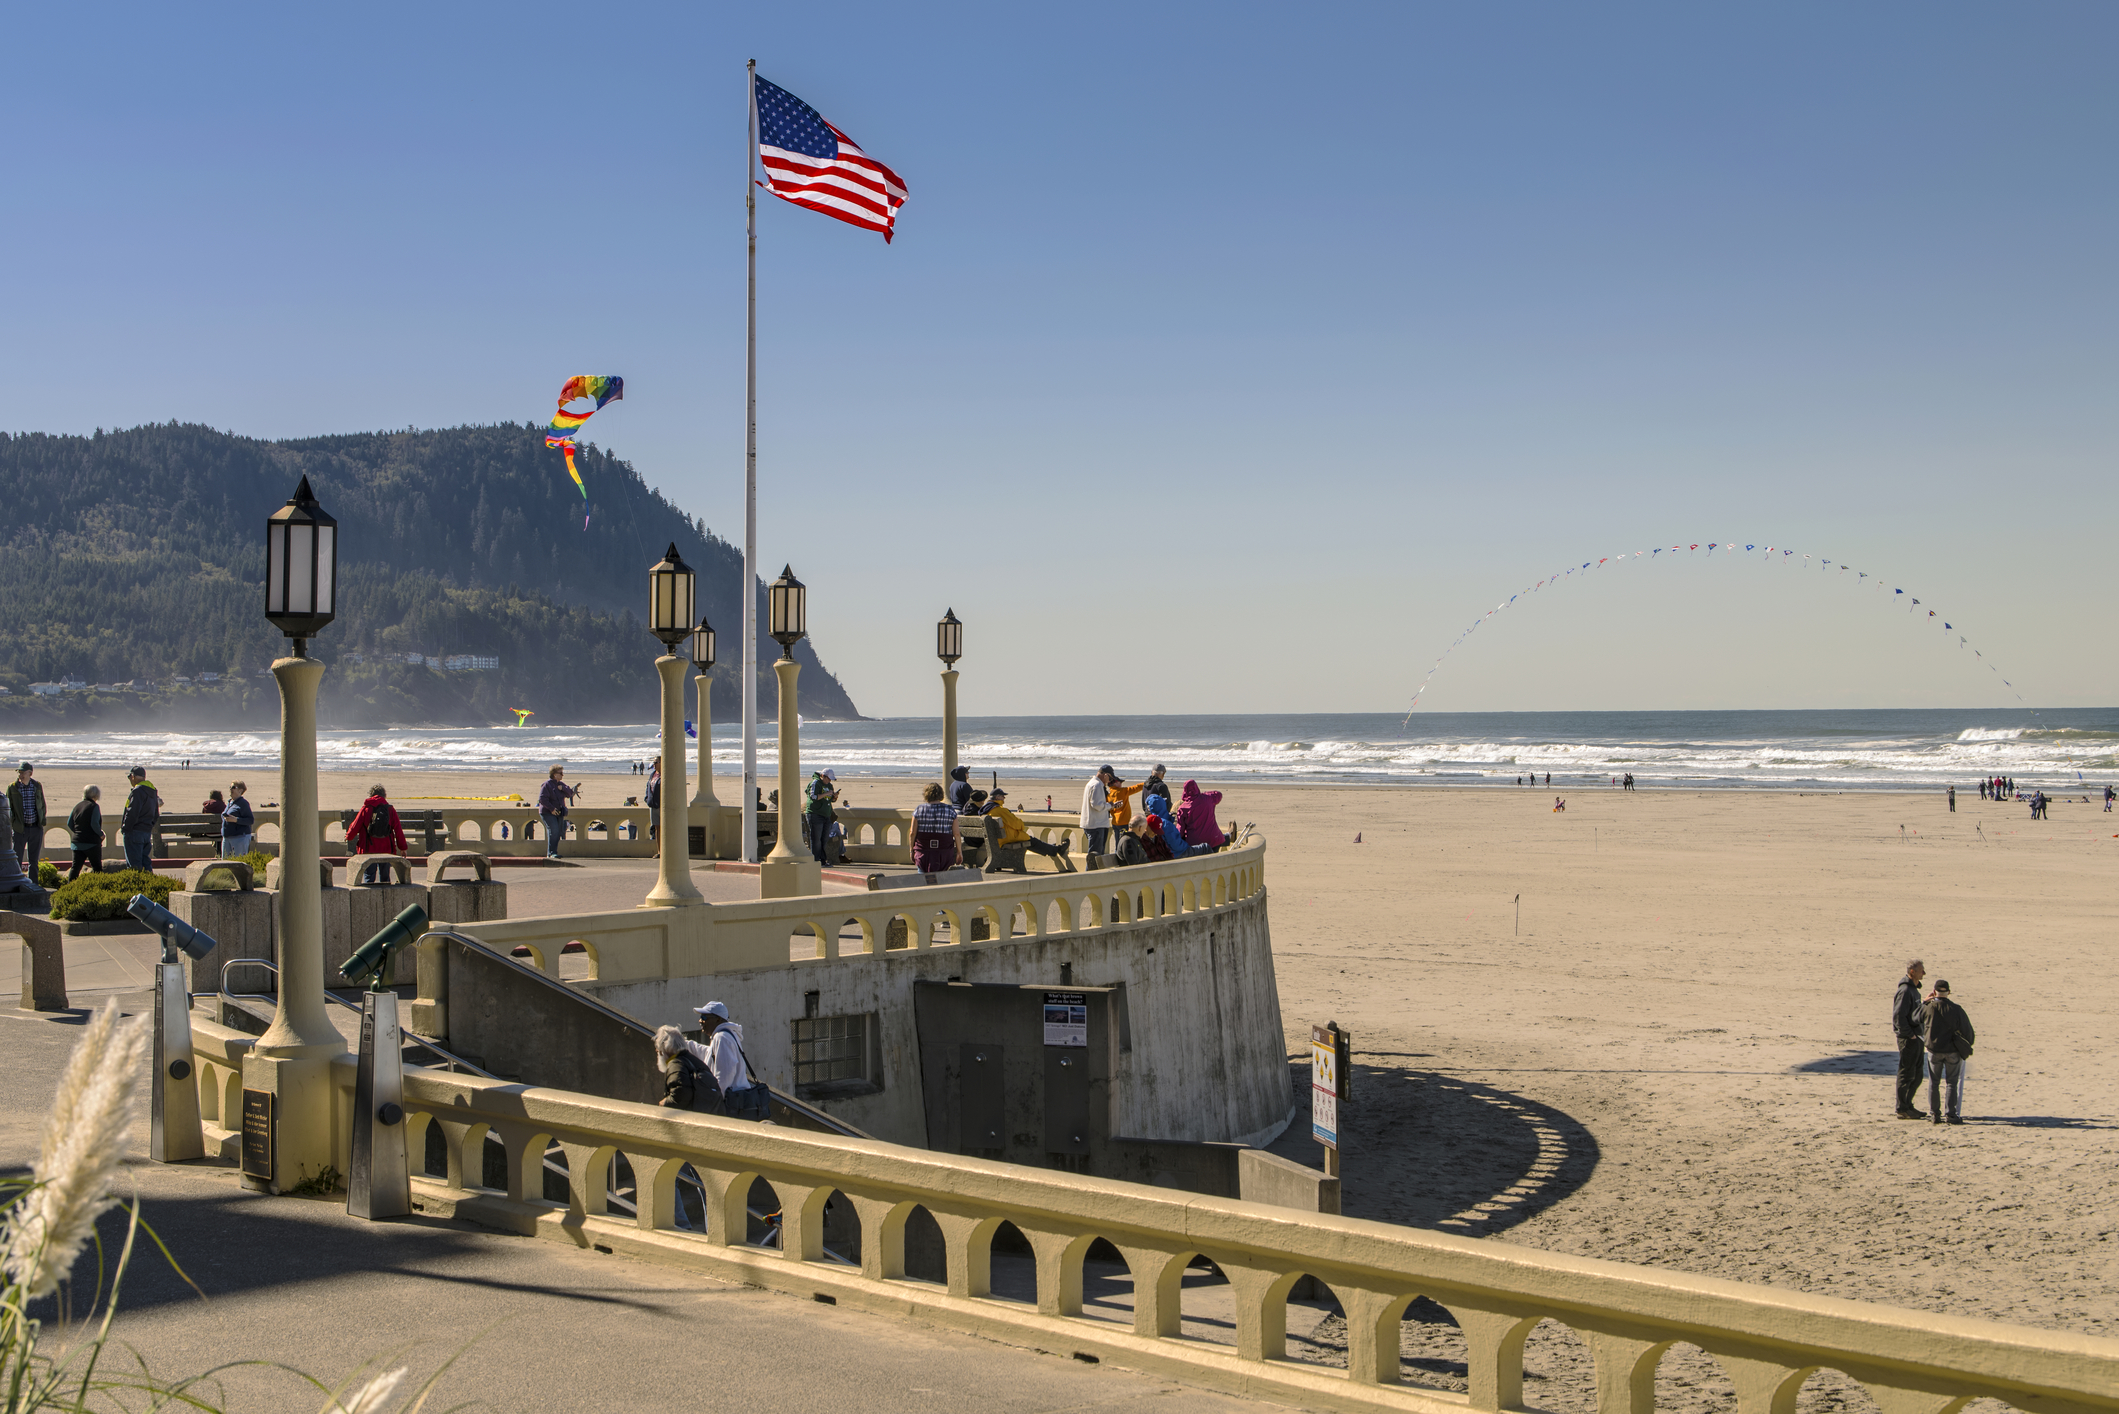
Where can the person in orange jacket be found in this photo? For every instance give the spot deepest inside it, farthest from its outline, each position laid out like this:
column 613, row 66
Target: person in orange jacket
column 376, row 830
column 1121, row 797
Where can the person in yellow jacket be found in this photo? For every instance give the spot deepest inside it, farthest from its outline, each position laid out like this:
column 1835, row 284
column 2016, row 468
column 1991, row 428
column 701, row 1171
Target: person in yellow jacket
column 1121, row 796
column 1015, row 832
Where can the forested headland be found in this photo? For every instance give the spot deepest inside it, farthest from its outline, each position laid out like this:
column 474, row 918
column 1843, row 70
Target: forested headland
column 140, row 555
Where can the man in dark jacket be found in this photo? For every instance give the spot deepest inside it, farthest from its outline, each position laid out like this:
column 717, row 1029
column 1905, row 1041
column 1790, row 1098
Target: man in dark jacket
column 1906, row 1014
column 143, row 808
column 1948, row 1034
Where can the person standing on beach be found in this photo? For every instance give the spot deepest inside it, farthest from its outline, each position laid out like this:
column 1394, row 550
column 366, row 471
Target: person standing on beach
column 28, row 817
column 1906, row 1017
column 1947, row 1032
column 143, row 810
column 1096, row 809
column 1953, row 800
column 552, row 809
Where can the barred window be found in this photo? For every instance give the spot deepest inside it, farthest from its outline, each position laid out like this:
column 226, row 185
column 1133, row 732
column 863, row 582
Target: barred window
column 830, row 1049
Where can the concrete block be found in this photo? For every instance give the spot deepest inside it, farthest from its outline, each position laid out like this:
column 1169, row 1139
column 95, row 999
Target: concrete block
column 1267, row 1178
column 43, row 960
column 478, row 899
column 272, row 872
column 370, row 908
column 338, row 932
column 244, row 924
column 217, row 875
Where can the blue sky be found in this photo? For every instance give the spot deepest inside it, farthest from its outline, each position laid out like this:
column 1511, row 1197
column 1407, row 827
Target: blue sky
column 1228, row 358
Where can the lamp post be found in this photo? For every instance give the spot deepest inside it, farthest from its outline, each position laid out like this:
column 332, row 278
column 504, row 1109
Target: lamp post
column 948, row 646
column 785, row 873
column 287, row 1091
column 704, row 806
column 669, row 618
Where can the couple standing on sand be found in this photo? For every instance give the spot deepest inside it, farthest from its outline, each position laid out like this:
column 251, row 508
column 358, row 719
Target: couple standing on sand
column 1940, row 1028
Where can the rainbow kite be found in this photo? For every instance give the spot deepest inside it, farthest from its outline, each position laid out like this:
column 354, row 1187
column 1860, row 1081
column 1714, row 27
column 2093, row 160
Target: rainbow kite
column 602, row 388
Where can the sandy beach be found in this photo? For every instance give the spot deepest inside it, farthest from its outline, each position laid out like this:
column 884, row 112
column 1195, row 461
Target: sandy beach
column 1681, row 1056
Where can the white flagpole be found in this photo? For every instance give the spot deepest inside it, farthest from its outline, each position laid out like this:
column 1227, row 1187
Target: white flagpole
column 750, row 486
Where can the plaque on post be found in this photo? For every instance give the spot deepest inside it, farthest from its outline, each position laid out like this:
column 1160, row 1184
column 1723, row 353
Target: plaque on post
column 257, row 1134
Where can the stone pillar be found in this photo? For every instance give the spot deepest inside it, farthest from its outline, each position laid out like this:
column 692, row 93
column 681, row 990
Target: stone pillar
column 673, row 884
column 291, row 1062
column 948, row 725
column 789, row 872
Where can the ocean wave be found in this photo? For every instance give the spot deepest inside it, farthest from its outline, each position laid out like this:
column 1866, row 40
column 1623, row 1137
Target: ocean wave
column 1992, row 733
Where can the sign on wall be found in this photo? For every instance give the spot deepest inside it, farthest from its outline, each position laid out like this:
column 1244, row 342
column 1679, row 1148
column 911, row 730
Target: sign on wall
column 1066, row 1019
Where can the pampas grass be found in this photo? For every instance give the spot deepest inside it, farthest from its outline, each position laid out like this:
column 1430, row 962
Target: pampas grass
column 85, row 1137
column 46, row 1223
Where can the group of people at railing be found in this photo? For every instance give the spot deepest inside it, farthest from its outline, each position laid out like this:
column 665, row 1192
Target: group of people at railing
column 1163, row 829
column 229, row 819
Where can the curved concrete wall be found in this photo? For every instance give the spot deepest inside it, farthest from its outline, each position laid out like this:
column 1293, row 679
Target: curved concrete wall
column 1201, row 1054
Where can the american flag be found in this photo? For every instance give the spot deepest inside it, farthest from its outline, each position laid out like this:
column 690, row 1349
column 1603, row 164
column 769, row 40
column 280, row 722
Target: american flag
column 811, row 163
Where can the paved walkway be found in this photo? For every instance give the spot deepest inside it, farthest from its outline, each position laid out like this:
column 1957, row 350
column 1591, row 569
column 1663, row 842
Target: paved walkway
column 540, row 1326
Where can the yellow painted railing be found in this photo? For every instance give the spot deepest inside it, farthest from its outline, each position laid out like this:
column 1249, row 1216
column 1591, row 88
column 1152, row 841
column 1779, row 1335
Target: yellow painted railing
column 844, row 1216
column 639, row 944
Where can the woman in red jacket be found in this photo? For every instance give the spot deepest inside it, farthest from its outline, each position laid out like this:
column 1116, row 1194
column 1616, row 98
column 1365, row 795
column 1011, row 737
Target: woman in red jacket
column 375, row 830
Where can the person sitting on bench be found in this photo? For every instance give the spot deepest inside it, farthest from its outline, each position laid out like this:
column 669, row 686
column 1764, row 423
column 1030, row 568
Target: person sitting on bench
column 1014, row 832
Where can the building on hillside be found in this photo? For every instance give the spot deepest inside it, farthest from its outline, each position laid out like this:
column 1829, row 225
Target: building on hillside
column 181, row 678
column 469, row 663
column 209, row 677
column 46, row 689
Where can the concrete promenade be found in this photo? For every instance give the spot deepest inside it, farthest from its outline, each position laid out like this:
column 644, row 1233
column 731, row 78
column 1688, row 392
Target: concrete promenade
column 541, row 1327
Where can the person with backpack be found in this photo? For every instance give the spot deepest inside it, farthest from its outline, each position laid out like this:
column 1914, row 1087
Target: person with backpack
column 818, row 816
column 723, row 1081
column 1947, row 1032
column 375, row 830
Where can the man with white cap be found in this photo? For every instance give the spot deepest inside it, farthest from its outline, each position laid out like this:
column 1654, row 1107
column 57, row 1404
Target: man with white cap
column 742, row 1096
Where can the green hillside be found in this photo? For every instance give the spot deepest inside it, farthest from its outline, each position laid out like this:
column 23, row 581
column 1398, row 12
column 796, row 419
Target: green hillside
column 140, row 554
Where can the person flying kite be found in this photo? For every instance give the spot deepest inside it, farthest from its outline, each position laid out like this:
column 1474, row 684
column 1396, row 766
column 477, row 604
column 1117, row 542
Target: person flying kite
column 597, row 387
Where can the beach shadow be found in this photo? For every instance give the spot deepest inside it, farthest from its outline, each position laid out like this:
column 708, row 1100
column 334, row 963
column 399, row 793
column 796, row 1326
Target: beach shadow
column 1432, row 1150
column 2041, row 1121
column 1851, row 1063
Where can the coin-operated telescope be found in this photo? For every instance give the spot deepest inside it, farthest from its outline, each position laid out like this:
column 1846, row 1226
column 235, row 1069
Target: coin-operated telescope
column 174, row 1132
column 177, row 935
column 370, row 962
column 379, row 1184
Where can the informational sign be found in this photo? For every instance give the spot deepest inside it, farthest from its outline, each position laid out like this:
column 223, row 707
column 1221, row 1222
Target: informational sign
column 257, row 1134
column 1328, row 1057
column 1066, row 1019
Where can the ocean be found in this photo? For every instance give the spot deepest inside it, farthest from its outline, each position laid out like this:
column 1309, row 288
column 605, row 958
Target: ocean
column 1806, row 750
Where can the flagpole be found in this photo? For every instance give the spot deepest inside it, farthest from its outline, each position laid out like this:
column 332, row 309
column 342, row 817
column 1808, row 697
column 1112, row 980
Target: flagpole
column 750, row 481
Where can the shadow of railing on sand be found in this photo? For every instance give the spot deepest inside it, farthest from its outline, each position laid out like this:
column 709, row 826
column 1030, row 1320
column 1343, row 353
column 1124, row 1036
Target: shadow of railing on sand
column 1438, row 1151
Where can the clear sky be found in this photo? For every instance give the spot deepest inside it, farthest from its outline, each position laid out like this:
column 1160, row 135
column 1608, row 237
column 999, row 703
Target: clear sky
column 1229, row 357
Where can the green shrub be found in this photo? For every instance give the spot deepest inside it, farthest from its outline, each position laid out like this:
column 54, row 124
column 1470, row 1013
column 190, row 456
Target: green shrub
column 257, row 859
column 47, row 874
column 95, row 897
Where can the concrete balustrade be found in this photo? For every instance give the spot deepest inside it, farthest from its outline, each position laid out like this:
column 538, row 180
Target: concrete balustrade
column 861, row 1223
column 632, row 946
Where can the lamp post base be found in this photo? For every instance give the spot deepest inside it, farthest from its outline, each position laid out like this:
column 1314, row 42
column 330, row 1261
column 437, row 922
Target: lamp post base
column 790, row 878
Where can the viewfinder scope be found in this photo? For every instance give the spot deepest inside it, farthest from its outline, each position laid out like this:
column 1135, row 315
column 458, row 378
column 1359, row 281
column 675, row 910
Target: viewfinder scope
column 371, row 960
column 176, row 933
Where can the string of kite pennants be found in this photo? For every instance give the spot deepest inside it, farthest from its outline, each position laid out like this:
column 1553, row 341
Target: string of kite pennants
column 1773, row 554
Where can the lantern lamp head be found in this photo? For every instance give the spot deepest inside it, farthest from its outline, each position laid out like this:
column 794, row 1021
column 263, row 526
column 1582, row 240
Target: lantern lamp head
column 949, row 638
column 669, row 598
column 787, row 601
column 703, row 646
column 301, row 568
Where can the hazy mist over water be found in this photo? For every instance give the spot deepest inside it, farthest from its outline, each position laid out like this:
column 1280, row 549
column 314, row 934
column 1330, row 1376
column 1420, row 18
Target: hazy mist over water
column 1810, row 750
